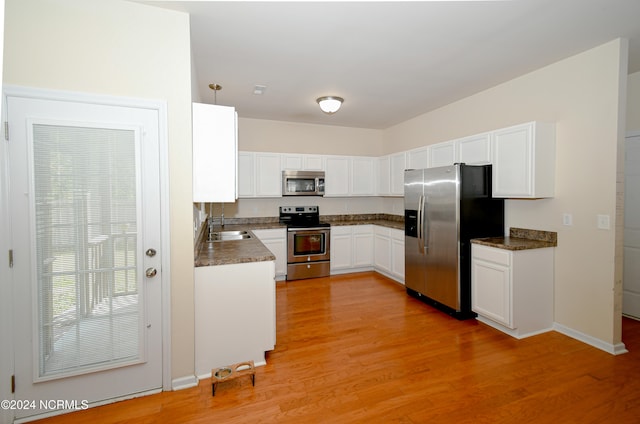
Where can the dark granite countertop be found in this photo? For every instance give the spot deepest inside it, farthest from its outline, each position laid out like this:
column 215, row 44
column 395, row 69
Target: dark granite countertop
column 252, row 250
column 234, row 251
column 521, row 239
column 381, row 219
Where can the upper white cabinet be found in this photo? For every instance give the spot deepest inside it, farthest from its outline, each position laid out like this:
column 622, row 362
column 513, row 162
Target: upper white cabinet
column 336, row 178
column 475, row 150
column 350, row 176
column 215, row 153
column 523, row 158
column 363, row 176
column 398, row 165
column 418, row 158
column 302, row 162
column 384, row 176
column 443, row 154
column 246, row 174
column 260, row 174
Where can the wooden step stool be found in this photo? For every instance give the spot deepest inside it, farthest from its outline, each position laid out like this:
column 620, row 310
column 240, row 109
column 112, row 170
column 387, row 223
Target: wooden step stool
column 222, row 374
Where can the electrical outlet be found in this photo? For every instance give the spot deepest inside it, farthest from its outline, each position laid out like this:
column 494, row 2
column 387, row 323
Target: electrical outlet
column 567, row 219
column 604, row 222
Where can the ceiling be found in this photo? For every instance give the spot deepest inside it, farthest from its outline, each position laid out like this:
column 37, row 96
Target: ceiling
column 390, row 61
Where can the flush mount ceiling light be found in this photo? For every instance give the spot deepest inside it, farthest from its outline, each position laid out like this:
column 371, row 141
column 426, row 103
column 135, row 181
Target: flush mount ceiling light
column 330, row 104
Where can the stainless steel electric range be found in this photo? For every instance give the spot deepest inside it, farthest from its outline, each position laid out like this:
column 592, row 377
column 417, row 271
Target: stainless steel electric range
column 308, row 242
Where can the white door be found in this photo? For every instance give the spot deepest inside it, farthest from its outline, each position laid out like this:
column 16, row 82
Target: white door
column 631, row 281
column 85, row 222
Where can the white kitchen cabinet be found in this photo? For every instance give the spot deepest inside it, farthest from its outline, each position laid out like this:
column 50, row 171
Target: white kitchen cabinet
column 302, row 162
column 275, row 239
column 291, row 162
column 312, row 163
column 246, row 174
column 475, row 150
column 215, row 153
column 268, row 175
column 336, row 179
column 418, row 158
column 363, row 176
column 382, row 249
column 384, row 176
column 350, row 176
column 351, row 248
column 341, row 248
column 397, row 254
column 362, row 243
column 235, row 314
column 443, row 154
column 523, row 158
column 398, row 165
column 260, row 174
column 512, row 290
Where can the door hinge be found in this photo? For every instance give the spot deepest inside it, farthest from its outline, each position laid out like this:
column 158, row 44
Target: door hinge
column 6, row 130
column 10, row 258
column 13, row 383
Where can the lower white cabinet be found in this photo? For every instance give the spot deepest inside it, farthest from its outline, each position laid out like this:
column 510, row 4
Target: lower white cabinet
column 235, row 314
column 382, row 249
column 397, row 254
column 362, row 246
column 351, row 248
column 357, row 248
column 512, row 290
column 389, row 252
column 276, row 241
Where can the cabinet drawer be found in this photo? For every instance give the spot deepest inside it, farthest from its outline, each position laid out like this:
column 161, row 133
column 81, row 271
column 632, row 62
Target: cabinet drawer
column 491, row 254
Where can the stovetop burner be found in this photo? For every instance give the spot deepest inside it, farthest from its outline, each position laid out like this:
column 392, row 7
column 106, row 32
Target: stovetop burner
column 301, row 217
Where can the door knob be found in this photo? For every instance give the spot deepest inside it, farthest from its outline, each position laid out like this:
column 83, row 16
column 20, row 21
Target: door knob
column 151, row 272
column 150, row 253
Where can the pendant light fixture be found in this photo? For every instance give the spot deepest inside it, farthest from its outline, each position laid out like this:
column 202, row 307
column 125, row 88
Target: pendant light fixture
column 215, row 88
column 330, row 104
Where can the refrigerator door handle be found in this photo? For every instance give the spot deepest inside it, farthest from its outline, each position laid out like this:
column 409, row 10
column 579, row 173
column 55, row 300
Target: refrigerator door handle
column 419, row 223
column 425, row 230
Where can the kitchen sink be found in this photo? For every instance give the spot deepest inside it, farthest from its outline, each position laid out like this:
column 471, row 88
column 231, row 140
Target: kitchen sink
column 228, row 235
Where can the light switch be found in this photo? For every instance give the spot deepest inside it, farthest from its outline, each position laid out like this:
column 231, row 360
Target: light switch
column 604, row 222
column 567, row 219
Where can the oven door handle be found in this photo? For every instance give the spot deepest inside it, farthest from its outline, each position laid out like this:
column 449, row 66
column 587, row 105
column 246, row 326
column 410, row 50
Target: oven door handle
column 317, row 229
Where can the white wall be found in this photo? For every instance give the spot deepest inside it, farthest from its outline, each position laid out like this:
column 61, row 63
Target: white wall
column 581, row 94
column 633, row 102
column 124, row 49
column 6, row 319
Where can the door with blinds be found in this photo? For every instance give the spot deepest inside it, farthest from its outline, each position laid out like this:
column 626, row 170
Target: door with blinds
column 86, row 237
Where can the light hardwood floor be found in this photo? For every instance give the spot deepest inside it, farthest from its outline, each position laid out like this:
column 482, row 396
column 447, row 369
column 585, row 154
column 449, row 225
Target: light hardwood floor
column 356, row 349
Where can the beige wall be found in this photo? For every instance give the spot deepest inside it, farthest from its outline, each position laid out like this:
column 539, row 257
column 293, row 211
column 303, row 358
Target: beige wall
column 581, row 94
column 123, row 49
column 633, row 102
column 259, row 135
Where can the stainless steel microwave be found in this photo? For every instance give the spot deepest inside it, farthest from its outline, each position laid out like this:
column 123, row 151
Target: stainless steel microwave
column 303, row 183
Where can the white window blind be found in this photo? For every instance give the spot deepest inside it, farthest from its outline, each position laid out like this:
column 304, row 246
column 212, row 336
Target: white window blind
column 86, row 235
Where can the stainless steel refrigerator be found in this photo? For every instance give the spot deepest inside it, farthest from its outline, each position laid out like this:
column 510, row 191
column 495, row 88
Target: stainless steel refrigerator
column 445, row 208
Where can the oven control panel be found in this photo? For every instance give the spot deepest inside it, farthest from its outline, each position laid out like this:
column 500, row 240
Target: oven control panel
column 299, row 209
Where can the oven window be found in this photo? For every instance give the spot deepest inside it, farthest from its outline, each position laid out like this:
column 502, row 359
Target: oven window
column 309, row 244
column 301, row 185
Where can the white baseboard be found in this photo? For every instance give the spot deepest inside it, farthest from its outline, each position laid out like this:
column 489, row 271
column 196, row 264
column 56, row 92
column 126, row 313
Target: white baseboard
column 614, row 349
column 184, row 382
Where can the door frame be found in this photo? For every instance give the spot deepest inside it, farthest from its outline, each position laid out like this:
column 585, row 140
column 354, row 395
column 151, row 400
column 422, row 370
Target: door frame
column 160, row 107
